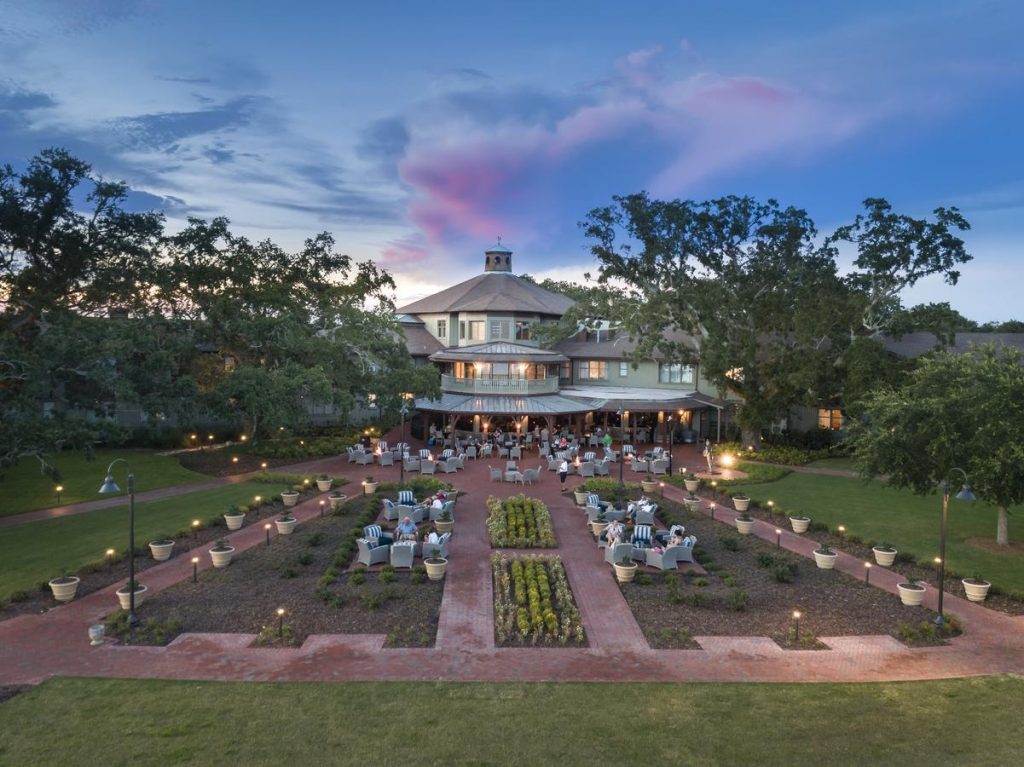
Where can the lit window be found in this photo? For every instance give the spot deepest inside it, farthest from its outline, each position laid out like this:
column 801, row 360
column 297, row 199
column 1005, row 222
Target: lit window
column 522, row 331
column 830, row 418
column 371, row 401
column 593, row 370
column 675, row 373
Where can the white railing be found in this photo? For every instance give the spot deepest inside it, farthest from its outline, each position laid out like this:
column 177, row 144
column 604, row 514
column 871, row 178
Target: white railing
column 499, row 385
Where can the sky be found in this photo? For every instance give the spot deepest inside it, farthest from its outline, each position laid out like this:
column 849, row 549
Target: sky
column 418, row 133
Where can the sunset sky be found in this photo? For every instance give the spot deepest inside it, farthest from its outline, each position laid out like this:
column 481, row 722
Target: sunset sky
column 419, row 132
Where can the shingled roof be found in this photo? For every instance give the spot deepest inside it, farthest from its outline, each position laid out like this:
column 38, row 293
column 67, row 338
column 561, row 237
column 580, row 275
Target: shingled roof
column 492, row 292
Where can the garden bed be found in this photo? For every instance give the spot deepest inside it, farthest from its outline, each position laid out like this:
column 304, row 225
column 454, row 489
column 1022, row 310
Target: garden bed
column 519, row 523
column 751, row 588
column 302, row 573
column 533, row 603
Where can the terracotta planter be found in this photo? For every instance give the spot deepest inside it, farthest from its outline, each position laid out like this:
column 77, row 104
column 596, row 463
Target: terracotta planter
column 744, row 526
column 625, row 573
column 123, row 596
column 825, row 561
column 161, row 551
column 910, row 594
column 444, row 527
column 234, row 521
column 436, row 567
column 692, row 485
column 222, row 557
column 369, row 488
column 286, row 526
column 884, row 557
column 323, row 485
column 289, row 498
column 976, row 590
column 800, row 524
column 598, row 527
column 741, row 503
column 581, row 497
column 64, row 589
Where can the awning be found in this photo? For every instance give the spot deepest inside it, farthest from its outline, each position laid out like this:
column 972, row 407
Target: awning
column 475, row 404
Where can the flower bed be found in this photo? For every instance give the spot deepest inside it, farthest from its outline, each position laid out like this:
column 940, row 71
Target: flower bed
column 519, row 522
column 533, row 603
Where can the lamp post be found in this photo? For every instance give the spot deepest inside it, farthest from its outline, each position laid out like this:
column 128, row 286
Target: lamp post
column 670, row 440
column 401, row 471
column 965, row 494
column 110, row 486
column 622, row 463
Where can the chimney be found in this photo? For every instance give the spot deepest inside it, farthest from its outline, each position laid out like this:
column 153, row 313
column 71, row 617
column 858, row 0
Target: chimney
column 498, row 258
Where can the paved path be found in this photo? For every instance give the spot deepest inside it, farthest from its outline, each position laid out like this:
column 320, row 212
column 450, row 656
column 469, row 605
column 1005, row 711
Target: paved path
column 33, row 647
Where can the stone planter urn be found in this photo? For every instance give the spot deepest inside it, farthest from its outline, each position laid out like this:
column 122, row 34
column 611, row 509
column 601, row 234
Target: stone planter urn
column 337, row 501
column 369, row 487
column 289, row 498
column 444, row 526
column 221, row 556
column 800, row 524
column 323, row 485
column 911, row 594
column 436, row 567
column 691, row 485
column 649, row 486
column 744, row 526
column 826, row 560
column 597, row 527
column 741, row 503
column 692, row 504
column 581, row 497
column 234, row 521
column 884, row 555
column 123, row 596
column 286, row 525
column 161, row 550
column 64, row 588
column 96, row 633
column 625, row 573
column 976, row 589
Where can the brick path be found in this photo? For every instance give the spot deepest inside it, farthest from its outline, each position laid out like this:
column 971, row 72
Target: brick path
column 33, row 647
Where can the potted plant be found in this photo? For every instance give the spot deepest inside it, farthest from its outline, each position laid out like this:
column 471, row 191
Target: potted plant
column 65, row 587
column 234, row 518
column 323, row 483
column 625, row 571
column 286, row 523
column 289, row 497
column 369, row 486
column 436, row 565
column 885, row 554
column 824, row 557
column 444, row 522
column 161, row 549
column 124, row 594
column 741, row 503
column 96, row 633
column 911, row 592
column 976, row 588
column 744, row 524
column 336, row 499
column 692, row 503
column 599, row 524
column 692, row 484
column 581, row 496
column 221, row 553
column 799, row 524
column 649, row 484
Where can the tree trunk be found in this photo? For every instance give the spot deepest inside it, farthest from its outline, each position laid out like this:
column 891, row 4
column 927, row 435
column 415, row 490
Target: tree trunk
column 1003, row 527
column 751, row 437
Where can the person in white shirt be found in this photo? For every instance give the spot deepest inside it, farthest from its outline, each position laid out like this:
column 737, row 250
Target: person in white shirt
column 613, row 533
column 437, row 503
column 432, row 537
column 563, row 472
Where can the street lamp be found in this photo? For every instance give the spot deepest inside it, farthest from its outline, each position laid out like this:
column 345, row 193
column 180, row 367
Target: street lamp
column 671, row 436
column 110, row 486
column 622, row 463
column 965, row 494
column 401, row 461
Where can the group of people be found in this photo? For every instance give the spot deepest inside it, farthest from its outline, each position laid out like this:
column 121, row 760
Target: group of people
column 407, row 530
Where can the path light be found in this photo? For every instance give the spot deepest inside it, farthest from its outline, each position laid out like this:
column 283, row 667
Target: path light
column 796, row 624
column 263, row 466
column 728, row 461
column 280, row 623
column 195, row 528
column 57, row 491
column 842, row 531
column 867, row 572
column 712, row 507
column 243, row 438
column 778, row 538
column 305, row 482
column 322, row 503
column 302, row 442
column 662, row 489
column 714, row 488
column 110, row 557
column 195, row 569
column 771, row 507
column 267, row 528
column 234, row 459
column 259, row 499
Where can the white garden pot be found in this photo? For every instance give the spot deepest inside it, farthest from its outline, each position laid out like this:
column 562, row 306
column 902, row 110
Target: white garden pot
column 222, row 558
column 234, row 521
column 744, row 526
column 598, row 527
column 323, row 485
column 289, row 499
column 800, row 524
column 740, row 503
column 369, row 488
column 337, row 501
column 96, row 633
column 161, row 551
column 910, row 595
column 976, row 590
column 692, row 504
column 286, row 526
column 825, row 561
column 64, row 589
column 581, row 497
column 649, row 487
column 436, row 567
column 123, row 596
column 625, row 573
column 444, row 527
column 691, row 485
column 884, row 557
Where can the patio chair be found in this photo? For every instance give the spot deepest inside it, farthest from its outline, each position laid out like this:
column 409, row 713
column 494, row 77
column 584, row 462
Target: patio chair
column 411, row 464
column 553, row 463
column 511, row 466
column 515, row 452
column 643, row 535
column 627, row 449
column 589, row 456
column 447, row 466
column 435, row 513
column 619, row 515
column 365, row 459
column 503, row 452
column 447, row 453
column 667, row 559
column 644, row 516
column 587, row 469
column 610, row 456
column 441, row 546
column 395, row 511
column 659, row 466
column 387, row 459
column 495, row 474
column 530, row 476
column 351, row 454
column 424, row 453
column 402, row 553
column 513, row 476
column 374, row 533
column 428, row 467
column 486, row 450
column 640, row 466
column 458, row 461
column 371, row 553
column 618, row 552
column 471, row 453
column 593, row 440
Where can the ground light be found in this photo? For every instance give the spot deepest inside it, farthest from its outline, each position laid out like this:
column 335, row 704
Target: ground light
column 195, row 569
column 110, row 557
column 280, row 623
column 109, row 486
column 796, row 625
column 263, row 466
column 842, row 531
column 195, row 528
column 57, row 491
column 771, row 507
column 867, row 572
column 965, row 494
column 322, row 503
column 267, row 528
column 778, row 538
column 712, row 507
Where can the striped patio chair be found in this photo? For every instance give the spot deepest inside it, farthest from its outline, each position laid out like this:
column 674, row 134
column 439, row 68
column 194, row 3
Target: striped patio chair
column 447, row 453
column 376, row 533
column 627, row 449
column 642, row 537
column 424, row 453
column 594, row 500
column 406, row 498
column 383, row 446
column 589, row 456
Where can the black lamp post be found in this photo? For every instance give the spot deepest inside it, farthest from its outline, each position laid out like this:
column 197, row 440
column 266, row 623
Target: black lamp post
column 670, row 436
column 109, row 486
column 965, row 494
column 401, row 472
column 622, row 464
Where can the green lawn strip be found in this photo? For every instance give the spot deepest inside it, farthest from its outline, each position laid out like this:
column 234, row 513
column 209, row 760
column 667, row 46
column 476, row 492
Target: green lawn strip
column 39, row 551
column 907, row 521
column 137, row 722
column 845, row 463
column 23, row 488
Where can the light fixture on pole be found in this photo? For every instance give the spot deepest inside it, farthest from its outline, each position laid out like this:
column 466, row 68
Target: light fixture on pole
column 401, row 461
column 965, row 494
column 622, row 462
column 670, row 440
column 110, row 486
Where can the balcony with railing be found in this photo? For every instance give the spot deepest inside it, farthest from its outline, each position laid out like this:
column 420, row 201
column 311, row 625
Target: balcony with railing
column 499, row 385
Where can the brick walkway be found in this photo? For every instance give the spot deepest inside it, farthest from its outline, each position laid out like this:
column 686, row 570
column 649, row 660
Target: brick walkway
column 33, row 647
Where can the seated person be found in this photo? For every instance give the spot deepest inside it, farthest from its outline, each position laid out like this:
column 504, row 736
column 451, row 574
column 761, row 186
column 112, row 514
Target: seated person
column 614, row 532
column 676, row 539
column 406, row 530
column 432, row 537
column 438, row 502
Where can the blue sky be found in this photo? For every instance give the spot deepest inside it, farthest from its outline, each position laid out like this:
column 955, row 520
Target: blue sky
column 417, row 134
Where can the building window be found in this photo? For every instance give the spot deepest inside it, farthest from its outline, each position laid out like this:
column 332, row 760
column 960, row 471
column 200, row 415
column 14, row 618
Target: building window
column 475, row 330
column 371, row 401
column 592, row 371
column 442, row 328
column 623, row 369
column 499, row 330
column 462, row 330
column 830, row 418
column 522, row 331
column 675, row 373
column 565, row 372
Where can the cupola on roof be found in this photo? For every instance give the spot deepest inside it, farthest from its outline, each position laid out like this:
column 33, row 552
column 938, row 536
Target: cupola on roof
column 498, row 258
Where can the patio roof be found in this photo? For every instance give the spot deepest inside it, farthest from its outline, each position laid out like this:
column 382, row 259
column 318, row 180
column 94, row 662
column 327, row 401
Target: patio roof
column 499, row 351
column 638, row 399
column 475, row 404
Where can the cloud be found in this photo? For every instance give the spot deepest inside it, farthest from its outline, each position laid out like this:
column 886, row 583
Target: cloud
column 162, row 130
column 16, row 100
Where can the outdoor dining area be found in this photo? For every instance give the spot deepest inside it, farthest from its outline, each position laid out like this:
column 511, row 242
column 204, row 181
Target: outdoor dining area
column 421, row 530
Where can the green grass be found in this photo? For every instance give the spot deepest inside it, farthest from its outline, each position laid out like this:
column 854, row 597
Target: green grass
column 39, row 551
column 135, row 722
column 844, row 463
column 24, row 488
column 907, row 521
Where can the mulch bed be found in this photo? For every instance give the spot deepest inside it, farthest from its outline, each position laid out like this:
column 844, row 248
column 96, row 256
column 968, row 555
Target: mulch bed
column 831, row 603
column 216, row 462
column 244, row 597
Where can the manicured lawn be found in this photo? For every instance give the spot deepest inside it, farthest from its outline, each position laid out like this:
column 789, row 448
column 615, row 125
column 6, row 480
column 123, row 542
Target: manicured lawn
column 845, row 463
column 134, row 722
column 38, row 551
column 23, row 488
column 909, row 522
